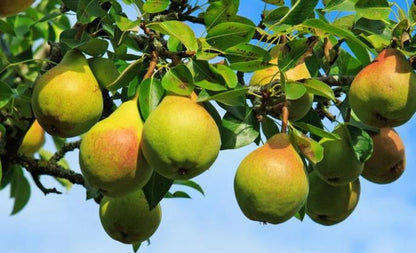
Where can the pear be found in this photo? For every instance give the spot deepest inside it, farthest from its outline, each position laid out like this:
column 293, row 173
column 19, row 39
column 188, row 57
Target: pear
column 298, row 107
column 110, row 155
column 12, row 7
column 340, row 164
column 180, row 138
column 383, row 94
column 328, row 204
column 33, row 140
column 128, row 219
column 67, row 99
column 388, row 161
column 271, row 183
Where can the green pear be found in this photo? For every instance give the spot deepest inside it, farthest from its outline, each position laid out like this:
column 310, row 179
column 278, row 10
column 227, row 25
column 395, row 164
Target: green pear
column 67, row 99
column 271, row 183
column 110, row 156
column 297, row 107
column 12, row 7
column 128, row 219
column 383, row 94
column 33, row 140
column 104, row 70
column 388, row 161
column 180, row 138
column 328, row 204
column 340, row 164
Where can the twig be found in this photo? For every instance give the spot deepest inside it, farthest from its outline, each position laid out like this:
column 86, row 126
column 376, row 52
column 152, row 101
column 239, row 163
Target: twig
column 152, row 65
column 67, row 147
column 39, row 184
column 285, row 117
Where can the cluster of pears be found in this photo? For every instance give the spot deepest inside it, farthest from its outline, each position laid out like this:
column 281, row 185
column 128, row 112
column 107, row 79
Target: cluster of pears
column 12, row 7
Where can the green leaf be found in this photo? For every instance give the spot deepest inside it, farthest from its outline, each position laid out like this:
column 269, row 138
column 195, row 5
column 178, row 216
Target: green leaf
column 300, row 11
column 126, row 76
column 300, row 215
column 275, row 2
column 373, row 9
column 269, row 127
column 275, row 15
column 178, row 80
column 361, row 143
column 136, row 246
column 316, row 131
column 356, row 45
column 228, row 34
column 220, row 11
column 226, row 97
column 154, row 6
column 156, row 188
column 206, row 76
column 319, row 88
column 177, row 194
column 174, row 44
column 6, row 93
column 88, row 10
column 6, row 27
column 250, row 66
column 237, row 133
column 246, row 52
column 292, row 52
column 94, row 47
column 179, row 30
column 19, row 190
column 150, row 94
column 71, row 4
column 226, row 73
column 294, row 90
column 340, row 5
column 190, row 184
column 311, row 149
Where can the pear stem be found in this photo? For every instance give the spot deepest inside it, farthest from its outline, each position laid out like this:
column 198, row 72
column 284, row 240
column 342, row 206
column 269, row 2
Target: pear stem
column 285, row 117
column 150, row 69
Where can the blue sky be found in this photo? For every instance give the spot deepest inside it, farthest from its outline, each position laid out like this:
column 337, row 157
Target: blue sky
column 384, row 220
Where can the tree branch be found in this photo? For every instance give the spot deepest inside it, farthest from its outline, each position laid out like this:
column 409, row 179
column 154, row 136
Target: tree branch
column 67, row 147
column 39, row 184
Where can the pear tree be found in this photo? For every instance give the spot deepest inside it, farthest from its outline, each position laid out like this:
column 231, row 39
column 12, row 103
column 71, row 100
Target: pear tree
column 318, row 86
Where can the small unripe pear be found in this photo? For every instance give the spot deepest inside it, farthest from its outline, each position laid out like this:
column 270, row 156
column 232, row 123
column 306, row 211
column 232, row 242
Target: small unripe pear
column 271, row 183
column 383, row 94
column 33, row 140
column 67, row 99
column 388, row 160
column 12, row 7
column 128, row 219
column 328, row 204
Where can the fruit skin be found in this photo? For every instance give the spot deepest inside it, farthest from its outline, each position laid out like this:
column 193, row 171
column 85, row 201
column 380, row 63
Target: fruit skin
column 271, row 183
column 128, row 219
column 67, row 99
column 110, row 156
column 383, row 94
column 298, row 107
column 340, row 164
column 180, row 138
column 329, row 205
column 12, row 7
column 388, row 161
column 33, row 140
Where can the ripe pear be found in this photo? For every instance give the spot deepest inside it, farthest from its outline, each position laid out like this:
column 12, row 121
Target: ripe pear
column 388, row 161
column 298, row 107
column 180, row 138
column 271, row 183
column 328, row 204
column 340, row 164
column 383, row 94
column 12, row 7
column 110, row 156
column 128, row 219
column 33, row 140
column 67, row 99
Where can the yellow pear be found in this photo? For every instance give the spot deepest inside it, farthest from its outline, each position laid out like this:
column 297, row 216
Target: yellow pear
column 33, row 140
column 271, row 183
column 340, row 164
column 298, row 107
column 110, row 155
column 383, row 94
column 128, row 219
column 328, row 204
column 67, row 99
column 388, row 161
column 180, row 138
column 12, row 7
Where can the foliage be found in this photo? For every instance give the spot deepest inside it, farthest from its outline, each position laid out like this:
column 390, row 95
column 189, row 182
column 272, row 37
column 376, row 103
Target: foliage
column 335, row 38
